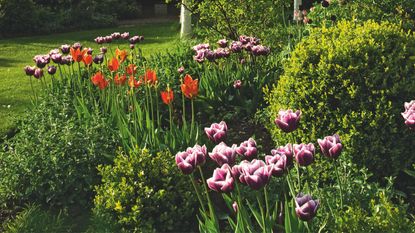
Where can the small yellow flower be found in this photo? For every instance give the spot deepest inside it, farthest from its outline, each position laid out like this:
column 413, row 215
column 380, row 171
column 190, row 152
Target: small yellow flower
column 118, row 206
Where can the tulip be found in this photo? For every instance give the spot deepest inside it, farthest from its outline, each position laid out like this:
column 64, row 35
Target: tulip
column 53, row 51
column 180, row 70
column 223, row 154
column 107, row 39
column 190, row 87
column 167, row 96
column 120, row 79
column 99, row 40
column 134, row 40
column 243, row 39
column 331, row 146
column 99, row 59
column 65, row 48
column 133, row 83
column 288, row 120
column 103, row 50
column 188, row 160
column 409, row 109
column 222, row 180
column 221, row 53
column 256, row 174
column 40, row 60
column 78, row 54
column 30, row 70
column 77, row 45
column 38, row 73
column 201, row 47
column 131, row 69
column 200, row 56
column 410, row 121
column 125, row 35
column 210, row 55
column 235, row 207
column 304, row 154
column 217, row 132
column 113, row 64
column 51, row 70
column 278, row 164
column 286, row 150
column 87, row 59
column 254, row 40
column 150, row 77
column 116, row 35
column 99, row 80
column 237, row 84
column 66, row 60
column 57, row 58
column 90, row 51
column 325, row 3
column 247, row 149
column 259, row 50
column 236, row 46
column 223, row 43
column 306, row 207
column 121, row 54
column 132, row 46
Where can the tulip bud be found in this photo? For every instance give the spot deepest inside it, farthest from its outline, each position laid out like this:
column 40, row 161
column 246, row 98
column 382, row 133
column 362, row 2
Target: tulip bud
column 247, row 149
column 51, row 70
column 223, row 154
column 89, row 51
column 38, row 73
column 77, row 45
column 132, row 46
column 330, row 146
column 237, row 84
column 217, row 132
column 65, row 48
column 30, row 70
column 325, row 3
column 255, row 174
column 103, row 50
column 41, row 60
column 98, row 59
column 278, row 164
column 222, row 180
column 306, row 207
column 235, row 207
column 180, row 70
column 188, row 160
column 66, row 60
column 304, row 154
column 288, row 120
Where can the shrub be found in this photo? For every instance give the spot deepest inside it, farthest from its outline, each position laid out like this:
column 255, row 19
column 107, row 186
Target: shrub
column 53, row 159
column 352, row 79
column 146, row 193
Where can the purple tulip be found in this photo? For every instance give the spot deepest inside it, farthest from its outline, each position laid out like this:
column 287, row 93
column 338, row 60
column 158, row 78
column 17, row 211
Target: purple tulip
column 235, row 207
column 278, row 164
column 200, row 56
column 107, row 39
column 188, row 160
column 201, row 47
column 98, row 59
column 221, row 53
column 51, row 70
column 65, row 48
column 286, row 150
column 223, row 154
column 409, row 114
column 256, row 174
column 331, row 146
column 116, row 35
column 254, row 40
column 132, row 46
column 99, row 40
column 180, row 70
column 66, row 60
column 244, row 39
column 259, row 50
column 53, row 51
column 134, row 39
column 103, row 50
column 248, row 46
column 125, row 35
column 217, row 132
column 223, row 43
column 306, row 207
column 38, row 73
column 41, row 60
column 77, row 45
column 30, row 70
column 90, row 51
column 236, row 46
column 247, row 149
column 304, row 154
column 57, row 58
column 209, row 54
column 288, row 120
column 237, row 84
column 222, row 180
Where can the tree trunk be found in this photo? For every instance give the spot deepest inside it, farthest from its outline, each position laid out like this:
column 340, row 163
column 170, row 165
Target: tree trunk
column 185, row 20
column 297, row 14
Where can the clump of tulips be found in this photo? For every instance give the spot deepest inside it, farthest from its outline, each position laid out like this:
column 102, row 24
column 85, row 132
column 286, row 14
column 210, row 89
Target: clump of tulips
column 243, row 167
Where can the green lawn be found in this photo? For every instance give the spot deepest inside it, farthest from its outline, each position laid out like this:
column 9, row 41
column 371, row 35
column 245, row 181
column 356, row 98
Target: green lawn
column 15, row 53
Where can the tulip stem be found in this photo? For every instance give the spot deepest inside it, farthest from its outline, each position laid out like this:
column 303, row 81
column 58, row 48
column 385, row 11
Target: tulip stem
column 197, row 193
column 340, row 184
column 266, row 201
column 193, row 119
column 212, row 211
column 298, row 177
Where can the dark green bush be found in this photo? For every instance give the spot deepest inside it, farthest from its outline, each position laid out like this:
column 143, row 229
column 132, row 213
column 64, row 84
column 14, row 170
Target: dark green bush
column 53, row 159
column 352, row 79
column 146, row 193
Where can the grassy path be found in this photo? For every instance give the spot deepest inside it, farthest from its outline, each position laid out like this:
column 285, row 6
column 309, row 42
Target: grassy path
column 15, row 92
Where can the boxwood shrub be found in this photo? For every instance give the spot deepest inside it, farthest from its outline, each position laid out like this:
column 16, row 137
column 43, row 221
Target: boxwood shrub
column 146, row 193
column 352, row 79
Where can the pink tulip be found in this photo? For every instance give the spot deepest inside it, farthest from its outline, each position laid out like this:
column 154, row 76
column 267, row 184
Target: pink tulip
column 247, row 149
column 306, row 207
column 331, row 146
column 217, row 132
column 409, row 114
column 256, row 174
column 223, row 154
column 278, row 164
column 188, row 160
column 286, row 150
column 288, row 120
column 304, row 154
column 222, row 180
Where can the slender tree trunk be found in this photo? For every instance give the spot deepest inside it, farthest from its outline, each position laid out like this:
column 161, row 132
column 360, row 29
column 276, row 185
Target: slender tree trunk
column 296, row 14
column 185, row 20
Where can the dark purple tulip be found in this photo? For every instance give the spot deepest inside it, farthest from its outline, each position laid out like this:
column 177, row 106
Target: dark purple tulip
column 51, row 70
column 256, row 174
column 247, row 149
column 53, row 51
column 98, row 59
column 248, row 46
column 30, row 70
column 132, row 46
column 236, row 46
column 188, row 160
column 66, row 60
column 57, row 58
column 278, row 164
column 221, row 53
column 288, row 120
column 237, row 84
column 41, row 60
column 254, row 40
column 409, row 114
column 222, row 180
column 210, row 55
column 286, row 150
column 244, row 39
column 99, row 40
column 125, row 35
column 201, row 47
column 304, row 154
column 116, row 35
column 108, row 39
column 180, row 70
column 217, row 132
column 38, row 73
column 134, row 40
column 331, row 146
column 141, row 38
column 306, row 207
column 223, row 154
column 65, row 48
column 325, row 3
column 90, row 51
column 242, row 61
column 103, row 50
column 200, row 56
column 77, row 45
column 223, row 43
column 259, row 50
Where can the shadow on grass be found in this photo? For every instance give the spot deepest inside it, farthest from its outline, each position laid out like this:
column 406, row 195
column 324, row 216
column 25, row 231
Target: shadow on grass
column 7, row 62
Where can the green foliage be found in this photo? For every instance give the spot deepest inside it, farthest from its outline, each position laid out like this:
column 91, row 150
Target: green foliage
column 146, row 193
column 53, row 159
column 33, row 220
column 351, row 79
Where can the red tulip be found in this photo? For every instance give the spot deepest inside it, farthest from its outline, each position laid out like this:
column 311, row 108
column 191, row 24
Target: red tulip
column 77, row 54
column 150, row 77
column 167, row 96
column 133, row 83
column 120, row 79
column 190, row 87
column 99, row 80
column 113, row 64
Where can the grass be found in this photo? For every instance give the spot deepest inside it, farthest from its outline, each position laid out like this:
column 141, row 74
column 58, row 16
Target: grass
column 16, row 53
